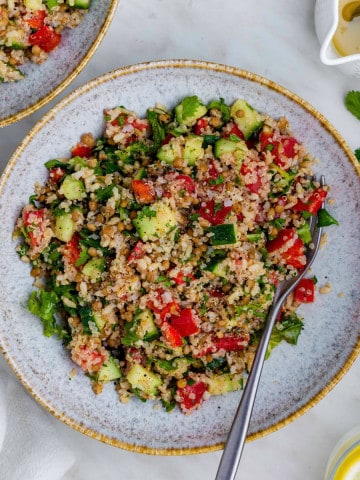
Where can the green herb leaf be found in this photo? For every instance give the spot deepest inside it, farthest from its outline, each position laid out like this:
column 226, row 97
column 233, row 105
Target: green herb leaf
column 352, row 102
column 357, row 154
column 224, row 109
column 87, row 316
column 44, row 305
column 165, row 280
column 325, row 219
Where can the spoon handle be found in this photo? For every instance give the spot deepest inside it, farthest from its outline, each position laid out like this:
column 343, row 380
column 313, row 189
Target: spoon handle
column 237, row 436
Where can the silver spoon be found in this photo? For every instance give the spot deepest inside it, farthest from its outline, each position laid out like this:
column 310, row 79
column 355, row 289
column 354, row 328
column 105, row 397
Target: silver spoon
column 235, row 442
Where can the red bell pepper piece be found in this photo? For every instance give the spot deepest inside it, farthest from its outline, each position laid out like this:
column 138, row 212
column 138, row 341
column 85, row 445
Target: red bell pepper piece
column 36, row 20
column 313, row 203
column 56, row 174
column 46, row 38
column 290, row 247
column 217, row 293
column 254, row 183
column 72, row 249
column 163, row 310
column 228, row 343
column 171, row 335
column 167, row 139
column 295, row 255
column 282, row 149
column 137, row 252
column 305, row 291
column 191, row 396
column 181, row 278
column 34, row 222
column 235, row 130
column 185, row 182
column 284, row 236
column 143, row 191
column 80, row 150
column 214, row 214
column 213, row 177
column 184, row 323
column 200, row 126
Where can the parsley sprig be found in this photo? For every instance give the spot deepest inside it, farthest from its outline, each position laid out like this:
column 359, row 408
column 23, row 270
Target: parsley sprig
column 352, row 102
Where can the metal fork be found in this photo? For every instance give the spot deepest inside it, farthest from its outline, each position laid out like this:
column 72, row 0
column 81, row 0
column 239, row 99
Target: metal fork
column 237, row 436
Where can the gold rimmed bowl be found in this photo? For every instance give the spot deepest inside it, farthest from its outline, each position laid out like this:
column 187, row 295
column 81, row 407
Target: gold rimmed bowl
column 294, row 377
column 44, row 82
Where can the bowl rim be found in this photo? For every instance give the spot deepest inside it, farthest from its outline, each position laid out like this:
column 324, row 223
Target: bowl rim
column 181, row 64
column 12, row 118
column 337, row 59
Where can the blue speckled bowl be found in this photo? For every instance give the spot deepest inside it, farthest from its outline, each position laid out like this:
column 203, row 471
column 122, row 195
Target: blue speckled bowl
column 43, row 82
column 294, row 378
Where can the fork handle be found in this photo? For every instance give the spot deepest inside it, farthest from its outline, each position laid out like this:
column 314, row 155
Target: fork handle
column 237, row 436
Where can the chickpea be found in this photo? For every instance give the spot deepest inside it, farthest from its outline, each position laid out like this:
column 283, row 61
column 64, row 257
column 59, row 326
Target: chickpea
column 99, row 218
column 35, row 272
column 36, row 50
column 91, row 227
column 181, row 383
column 96, row 305
column 92, row 252
column 88, row 139
column 93, row 205
column 120, row 227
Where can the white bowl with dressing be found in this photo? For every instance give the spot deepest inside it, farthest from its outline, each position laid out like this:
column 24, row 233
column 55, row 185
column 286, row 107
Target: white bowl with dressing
column 327, row 18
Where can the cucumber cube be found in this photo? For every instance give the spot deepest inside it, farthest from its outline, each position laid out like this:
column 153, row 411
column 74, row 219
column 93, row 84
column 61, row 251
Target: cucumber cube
column 224, row 234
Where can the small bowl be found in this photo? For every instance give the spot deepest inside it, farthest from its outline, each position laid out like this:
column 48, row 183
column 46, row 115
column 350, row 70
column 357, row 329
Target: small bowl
column 344, row 460
column 326, row 21
column 42, row 83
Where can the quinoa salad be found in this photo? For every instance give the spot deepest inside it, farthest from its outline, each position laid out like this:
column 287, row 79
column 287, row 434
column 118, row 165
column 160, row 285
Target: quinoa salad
column 156, row 249
column 31, row 29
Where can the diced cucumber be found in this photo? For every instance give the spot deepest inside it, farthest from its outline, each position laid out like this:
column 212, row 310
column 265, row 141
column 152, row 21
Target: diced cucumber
column 218, row 267
column 33, row 4
column 50, row 4
column 223, row 383
column 16, row 38
column 72, row 188
column 223, row 146
column 78, row 3
column 246, row 118
column 193, row 150
column 189, row 110
column 99, row 320
column 147, row 330
column 223, row 234
column 64, row 227
column 142, row 327
column 141, row 173
column 168, row 152
column 94, row 268
column 9, row 73
column 109, row 371
column 156, row 220
column 143, row 379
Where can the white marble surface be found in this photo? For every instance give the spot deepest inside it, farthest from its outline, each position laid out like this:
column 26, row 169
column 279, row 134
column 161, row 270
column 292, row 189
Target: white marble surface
column 275, row 39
